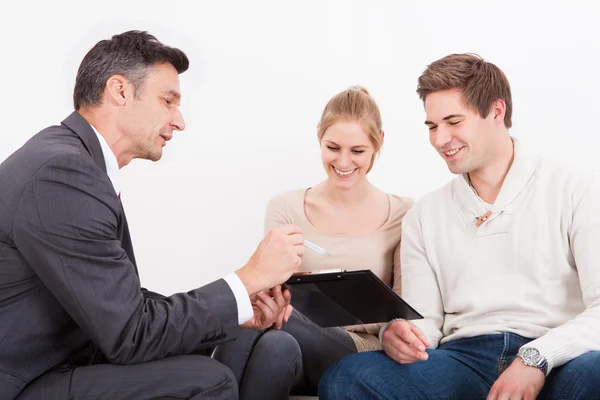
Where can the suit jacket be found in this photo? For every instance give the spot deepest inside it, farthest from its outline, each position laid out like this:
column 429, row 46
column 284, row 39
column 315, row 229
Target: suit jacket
column 69, row 287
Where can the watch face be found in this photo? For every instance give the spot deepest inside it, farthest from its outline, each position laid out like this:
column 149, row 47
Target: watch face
column 531, row 355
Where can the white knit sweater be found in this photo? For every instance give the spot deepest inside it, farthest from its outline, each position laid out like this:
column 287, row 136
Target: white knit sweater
column 533, row 268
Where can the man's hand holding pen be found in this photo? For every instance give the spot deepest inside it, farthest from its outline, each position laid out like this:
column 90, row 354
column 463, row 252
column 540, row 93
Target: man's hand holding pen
column 276, row 258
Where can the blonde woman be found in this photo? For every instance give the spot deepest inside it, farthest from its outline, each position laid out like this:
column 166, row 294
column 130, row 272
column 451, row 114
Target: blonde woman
column 357, row 223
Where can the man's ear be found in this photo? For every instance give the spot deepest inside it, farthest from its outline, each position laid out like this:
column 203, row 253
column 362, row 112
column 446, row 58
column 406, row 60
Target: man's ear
column 499, row 110
column 118, row 89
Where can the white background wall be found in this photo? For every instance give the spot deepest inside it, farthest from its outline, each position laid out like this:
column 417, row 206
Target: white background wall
column 261, row 72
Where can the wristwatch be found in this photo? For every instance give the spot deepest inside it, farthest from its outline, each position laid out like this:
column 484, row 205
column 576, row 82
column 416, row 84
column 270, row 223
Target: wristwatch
column 533, row 358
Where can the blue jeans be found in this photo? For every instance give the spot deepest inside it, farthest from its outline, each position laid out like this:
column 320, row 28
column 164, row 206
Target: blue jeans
column 460, row 369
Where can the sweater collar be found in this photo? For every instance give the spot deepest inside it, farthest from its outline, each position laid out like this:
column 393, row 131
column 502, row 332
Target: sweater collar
column 520, row 173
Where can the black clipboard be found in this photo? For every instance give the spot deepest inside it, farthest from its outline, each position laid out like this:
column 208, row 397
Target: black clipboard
column 341, row 298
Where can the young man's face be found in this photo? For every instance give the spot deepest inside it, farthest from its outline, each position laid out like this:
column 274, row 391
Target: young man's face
column 150, row 120
column 459, row 134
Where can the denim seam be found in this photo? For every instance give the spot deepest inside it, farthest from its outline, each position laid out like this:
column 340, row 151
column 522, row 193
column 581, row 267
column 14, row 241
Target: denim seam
column 502, row 361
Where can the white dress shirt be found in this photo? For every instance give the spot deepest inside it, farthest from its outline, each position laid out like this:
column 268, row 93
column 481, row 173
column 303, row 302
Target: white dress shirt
column 245, row 312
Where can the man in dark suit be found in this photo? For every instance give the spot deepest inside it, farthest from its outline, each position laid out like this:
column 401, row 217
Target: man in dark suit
column 74, row 320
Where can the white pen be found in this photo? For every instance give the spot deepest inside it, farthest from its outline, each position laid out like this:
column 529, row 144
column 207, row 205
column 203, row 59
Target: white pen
column 316, row 248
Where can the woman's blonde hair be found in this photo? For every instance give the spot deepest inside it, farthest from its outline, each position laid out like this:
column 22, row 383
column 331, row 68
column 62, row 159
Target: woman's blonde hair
column 354, row 104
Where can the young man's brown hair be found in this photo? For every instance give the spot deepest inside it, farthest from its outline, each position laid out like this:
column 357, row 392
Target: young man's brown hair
column 481, row 82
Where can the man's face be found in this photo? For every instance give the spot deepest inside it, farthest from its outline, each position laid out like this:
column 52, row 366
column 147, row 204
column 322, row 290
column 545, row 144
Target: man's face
column 459, row 134
column 148, row 121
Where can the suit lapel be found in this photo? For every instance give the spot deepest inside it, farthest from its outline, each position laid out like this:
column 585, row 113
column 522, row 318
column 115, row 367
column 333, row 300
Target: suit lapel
column 83, row 129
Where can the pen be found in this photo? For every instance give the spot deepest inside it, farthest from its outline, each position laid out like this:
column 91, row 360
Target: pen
column 316, row 248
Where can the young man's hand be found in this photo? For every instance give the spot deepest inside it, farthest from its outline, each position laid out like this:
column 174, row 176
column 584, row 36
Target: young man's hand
column 404, row 343
column 518, row 382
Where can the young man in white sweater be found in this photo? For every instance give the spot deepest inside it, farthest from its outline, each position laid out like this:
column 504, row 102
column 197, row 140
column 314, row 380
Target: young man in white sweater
column 503, row 263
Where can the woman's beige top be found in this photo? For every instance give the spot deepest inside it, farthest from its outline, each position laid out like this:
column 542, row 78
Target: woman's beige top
column 378, row 251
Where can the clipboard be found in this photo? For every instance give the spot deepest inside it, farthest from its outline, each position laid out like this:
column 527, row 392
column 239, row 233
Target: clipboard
column 341, row 298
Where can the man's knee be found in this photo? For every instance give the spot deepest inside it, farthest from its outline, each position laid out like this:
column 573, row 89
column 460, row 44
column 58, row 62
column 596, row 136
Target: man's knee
column 279, row 340
column 278, row 345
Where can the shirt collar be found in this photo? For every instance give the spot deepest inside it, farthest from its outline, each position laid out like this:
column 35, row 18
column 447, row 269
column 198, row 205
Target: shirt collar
column 112, row 166
column 519, row 175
